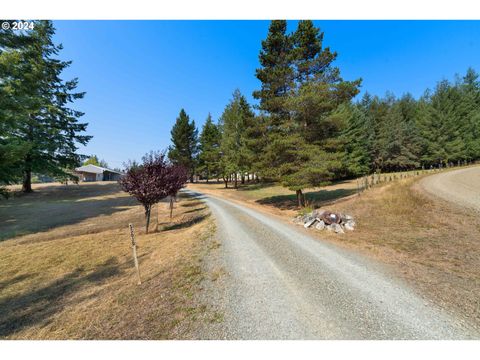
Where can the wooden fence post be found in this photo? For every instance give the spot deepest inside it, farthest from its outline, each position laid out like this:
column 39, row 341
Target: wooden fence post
column 134, row 248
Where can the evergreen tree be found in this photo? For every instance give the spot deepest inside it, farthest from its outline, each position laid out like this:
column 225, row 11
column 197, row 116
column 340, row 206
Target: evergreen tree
column 247, row 158
column 184, row 137
column 233, row 124
column 276, row 72
column 440, row 127
column 357, row 139
column 400, row 148
column 469, row 111
column 255, row 144
column 303, row 148
column 209, row 156
column 377, row 111
column 310, row 58
column 42, row 117
column 13, row 104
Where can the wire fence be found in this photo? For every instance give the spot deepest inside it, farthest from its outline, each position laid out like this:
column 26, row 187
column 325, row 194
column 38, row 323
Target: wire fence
column 368, row 181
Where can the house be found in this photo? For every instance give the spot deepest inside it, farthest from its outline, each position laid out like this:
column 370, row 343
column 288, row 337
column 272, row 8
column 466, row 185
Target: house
column 96, row 173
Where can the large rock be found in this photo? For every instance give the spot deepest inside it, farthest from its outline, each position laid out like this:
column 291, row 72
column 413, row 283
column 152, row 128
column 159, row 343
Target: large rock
column 320, row 225
column 337, row 228
column 309, row 223
column 308, row 217
column 349, row 225
column 330, row 218
column 352, row 222
column 323, row 219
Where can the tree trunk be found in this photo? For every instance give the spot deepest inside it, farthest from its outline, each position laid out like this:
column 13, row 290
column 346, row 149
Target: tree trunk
column 171, row 207
column 27, row 181
column 147, row 216
column 243, row 179
column 225, row 179
column 236, row 180
column 300, row 198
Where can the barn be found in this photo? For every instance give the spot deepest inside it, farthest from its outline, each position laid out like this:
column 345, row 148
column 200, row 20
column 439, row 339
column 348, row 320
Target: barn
column 97, row 173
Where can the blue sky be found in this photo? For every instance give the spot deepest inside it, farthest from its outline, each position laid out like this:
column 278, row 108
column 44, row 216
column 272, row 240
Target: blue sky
column 139, row 74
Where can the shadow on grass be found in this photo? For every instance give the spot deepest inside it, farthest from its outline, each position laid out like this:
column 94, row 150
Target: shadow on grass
column 69, row 192
column 255, row 186
column 37, row 306
column 316, row 198
column 14, row 280
column 195, row 210
column 191, row 204
column 187, row 223
column 27, row 215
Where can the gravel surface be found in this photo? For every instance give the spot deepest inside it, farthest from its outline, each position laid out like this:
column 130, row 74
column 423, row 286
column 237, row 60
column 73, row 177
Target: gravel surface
column 459, row 186
column 281, row 283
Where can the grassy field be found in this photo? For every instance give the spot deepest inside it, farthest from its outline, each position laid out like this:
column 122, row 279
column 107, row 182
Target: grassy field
column 278, row 198
column 275, row 196
column 432, row 244
column 66, row 269
column 429, row 242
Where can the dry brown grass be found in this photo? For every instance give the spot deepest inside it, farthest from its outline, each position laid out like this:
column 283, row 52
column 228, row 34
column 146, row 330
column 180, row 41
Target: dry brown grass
column 75, row 278
column 277, row 199
column 431, row 243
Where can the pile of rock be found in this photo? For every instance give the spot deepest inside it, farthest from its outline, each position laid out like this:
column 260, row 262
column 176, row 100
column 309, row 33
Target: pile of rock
column 326, row 220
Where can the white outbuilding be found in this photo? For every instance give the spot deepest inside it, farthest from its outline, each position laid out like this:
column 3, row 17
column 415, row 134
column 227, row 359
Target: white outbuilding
column 97, row 173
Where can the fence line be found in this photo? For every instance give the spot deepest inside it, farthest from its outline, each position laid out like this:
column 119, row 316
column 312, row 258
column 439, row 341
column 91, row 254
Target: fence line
column 368, row 181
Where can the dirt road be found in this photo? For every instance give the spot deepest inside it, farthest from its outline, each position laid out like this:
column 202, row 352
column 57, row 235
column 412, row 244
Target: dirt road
column 459, row 186
column 281, row 283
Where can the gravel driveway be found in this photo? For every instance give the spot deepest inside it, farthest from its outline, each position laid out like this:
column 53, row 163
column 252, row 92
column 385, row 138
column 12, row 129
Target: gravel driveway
column 281, row 283
column 459, row 186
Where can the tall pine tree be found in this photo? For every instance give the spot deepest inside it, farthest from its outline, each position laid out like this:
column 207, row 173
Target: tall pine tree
column 276, row 72
column 303, row 149
column 43, row 117
column 357, row 137
column 233, row 145
column 13, row 105
column 209, row 149
column 184, row 149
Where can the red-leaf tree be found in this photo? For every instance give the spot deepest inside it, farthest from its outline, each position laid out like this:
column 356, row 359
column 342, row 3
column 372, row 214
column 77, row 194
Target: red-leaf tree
column 177, row 176
column 153, row 180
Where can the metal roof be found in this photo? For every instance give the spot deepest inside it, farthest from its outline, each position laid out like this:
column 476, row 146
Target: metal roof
column 95, row 169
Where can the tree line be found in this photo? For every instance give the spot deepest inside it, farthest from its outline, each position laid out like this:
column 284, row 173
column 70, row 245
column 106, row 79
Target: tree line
column 441, row 128
column 307, row 129
column 39, row 130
